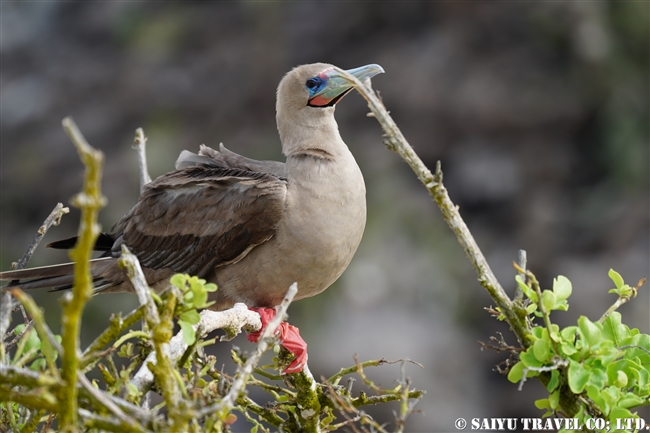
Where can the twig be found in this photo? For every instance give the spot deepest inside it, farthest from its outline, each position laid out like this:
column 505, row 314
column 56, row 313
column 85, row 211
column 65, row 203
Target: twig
column 107, row 403
column 557, row 363
column 395, row 141
column 90, row 201
column 6, row 302
column 129, row 261
column 53, row 219
column 223, row 407
column 94, row 421
column 622, row 300
column 140, row 145
column 542, row 308
column 161, row 327
column 521, row 261
column 117, row 326
column 48, row 342
column 235, row 318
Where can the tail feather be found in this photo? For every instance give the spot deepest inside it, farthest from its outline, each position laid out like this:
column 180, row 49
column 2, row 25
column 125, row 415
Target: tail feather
column 58, row 277
column 104, row 242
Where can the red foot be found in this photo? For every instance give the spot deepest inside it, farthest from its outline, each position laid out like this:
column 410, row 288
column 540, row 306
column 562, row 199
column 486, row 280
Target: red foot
column 290, row 339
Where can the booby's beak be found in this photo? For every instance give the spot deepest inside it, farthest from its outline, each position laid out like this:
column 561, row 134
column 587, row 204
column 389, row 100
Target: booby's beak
column 330, row 86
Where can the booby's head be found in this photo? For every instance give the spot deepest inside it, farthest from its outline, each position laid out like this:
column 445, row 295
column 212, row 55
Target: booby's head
column 318, row 86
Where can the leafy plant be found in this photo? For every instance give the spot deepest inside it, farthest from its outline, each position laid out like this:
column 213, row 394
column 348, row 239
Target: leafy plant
column 604, row 363
column 194, row 296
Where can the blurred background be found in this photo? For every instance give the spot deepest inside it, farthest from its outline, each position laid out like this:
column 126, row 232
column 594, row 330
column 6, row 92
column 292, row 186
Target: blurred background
column 538, row 113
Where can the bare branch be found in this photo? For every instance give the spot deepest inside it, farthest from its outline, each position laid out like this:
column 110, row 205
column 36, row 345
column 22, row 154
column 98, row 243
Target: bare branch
column 6, row 301
column 140, row 144
column 235, row 319
column 134, row 271
column 244, row 372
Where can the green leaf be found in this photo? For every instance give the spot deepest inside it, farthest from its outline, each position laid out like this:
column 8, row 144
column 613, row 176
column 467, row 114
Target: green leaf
column 561, row 305
column 190, row 316
column 554, row 400
column 590, row 331
column 548, row 300
column 530, row 309
column 616, row 278
column 640, row 375
column 516, row 373
column 542, row 403
column 562, row 287
column 210, row 287
column 38, row 365
column 179, row 280
column 630, row 400
column 568, row 349
column 33, row 341
column 554, row 382
column 598, row 377
column 542, row 350
column 569, row 334
column 611, row 394
column 595, row 395
column 621, row 379
column 621, row 413
column 529, row 359
column 614, row 330
column 642, row 352
column 578, row 376
column 528, row 291
column 607, row 352
column 200, row 298
column 189, row 335
column 627, row 366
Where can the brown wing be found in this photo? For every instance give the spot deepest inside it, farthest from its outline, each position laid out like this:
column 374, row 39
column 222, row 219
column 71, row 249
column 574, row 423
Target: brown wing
column 198, row 218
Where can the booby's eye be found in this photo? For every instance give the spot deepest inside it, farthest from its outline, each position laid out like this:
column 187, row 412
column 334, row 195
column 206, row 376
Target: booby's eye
column 312, row 83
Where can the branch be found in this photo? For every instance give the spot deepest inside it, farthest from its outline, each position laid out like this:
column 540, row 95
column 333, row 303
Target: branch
column 140, row 144
column 161, row 326
column 117, row 326
column 90, row 201
column 234, row 319
column 6, row 303
column 395, row 141
column 224, row 407
column 620, row 301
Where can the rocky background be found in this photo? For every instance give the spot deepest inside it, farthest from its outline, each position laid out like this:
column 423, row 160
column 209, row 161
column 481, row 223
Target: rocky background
column 538, row 112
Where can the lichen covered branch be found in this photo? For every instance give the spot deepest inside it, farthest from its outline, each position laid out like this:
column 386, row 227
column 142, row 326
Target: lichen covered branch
column 90, row 201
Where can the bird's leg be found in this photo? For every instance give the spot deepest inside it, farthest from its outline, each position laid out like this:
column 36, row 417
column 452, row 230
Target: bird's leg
column 289, row 337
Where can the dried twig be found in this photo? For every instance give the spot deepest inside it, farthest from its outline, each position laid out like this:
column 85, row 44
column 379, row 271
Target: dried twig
column 140, row 145
column 6, row 301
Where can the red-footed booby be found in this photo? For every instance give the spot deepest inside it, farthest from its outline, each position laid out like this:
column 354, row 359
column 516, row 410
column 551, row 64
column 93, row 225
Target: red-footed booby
column 252, row 227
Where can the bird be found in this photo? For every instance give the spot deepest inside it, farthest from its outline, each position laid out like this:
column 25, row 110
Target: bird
column 251, row 227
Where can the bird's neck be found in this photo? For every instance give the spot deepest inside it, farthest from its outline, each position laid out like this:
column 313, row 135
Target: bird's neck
column 316, row 136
